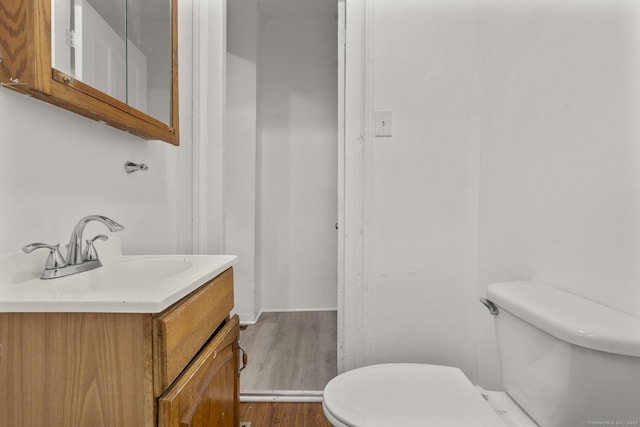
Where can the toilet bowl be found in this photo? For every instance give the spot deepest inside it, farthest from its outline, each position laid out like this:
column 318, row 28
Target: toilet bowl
column 412, row 395
column 565, row 361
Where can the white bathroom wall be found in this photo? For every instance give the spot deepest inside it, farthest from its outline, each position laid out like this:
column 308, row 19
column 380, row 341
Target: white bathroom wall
column 56, row 167
column 421, row 215
column 296, row 154
column 560, row 169
column 513, row 156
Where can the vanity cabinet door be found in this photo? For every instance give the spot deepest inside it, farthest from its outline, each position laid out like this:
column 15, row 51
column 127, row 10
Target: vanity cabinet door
column 207, row 392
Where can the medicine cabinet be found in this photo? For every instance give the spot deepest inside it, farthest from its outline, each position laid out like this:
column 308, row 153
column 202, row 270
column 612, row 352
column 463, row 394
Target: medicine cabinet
column 114, row 61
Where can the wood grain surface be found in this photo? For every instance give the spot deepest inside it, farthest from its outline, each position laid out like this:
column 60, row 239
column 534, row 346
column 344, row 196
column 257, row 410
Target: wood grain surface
column 59, row 369
column 205, row 395
column 182, row 330
column 271, row 414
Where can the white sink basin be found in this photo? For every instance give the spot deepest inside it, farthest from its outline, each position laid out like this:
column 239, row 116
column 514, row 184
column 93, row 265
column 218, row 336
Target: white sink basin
column 125, row 284
column 144, row 273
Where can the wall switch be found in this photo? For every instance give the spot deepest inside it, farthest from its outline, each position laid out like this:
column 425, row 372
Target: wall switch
column 383, row 122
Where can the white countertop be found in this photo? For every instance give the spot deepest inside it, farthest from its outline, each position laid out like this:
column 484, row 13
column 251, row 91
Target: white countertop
column 125, row 284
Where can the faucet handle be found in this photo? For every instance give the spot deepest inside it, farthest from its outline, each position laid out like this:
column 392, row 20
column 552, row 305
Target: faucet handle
column 55, row 259
column 90, row 253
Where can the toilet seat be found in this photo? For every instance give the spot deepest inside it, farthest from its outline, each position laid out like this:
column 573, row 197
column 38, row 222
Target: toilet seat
column 406, row 395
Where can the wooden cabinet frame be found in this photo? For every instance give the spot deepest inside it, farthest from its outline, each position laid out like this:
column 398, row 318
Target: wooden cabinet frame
column 25, row 66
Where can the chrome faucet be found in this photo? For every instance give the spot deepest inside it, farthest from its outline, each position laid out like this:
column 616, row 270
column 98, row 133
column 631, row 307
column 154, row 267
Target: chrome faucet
column 77, row 260
column 74, row 250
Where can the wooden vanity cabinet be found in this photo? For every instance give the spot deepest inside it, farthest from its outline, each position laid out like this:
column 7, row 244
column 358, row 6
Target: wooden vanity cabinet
column 177, row 368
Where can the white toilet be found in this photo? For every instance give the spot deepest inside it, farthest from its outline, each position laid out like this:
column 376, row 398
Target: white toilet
column 566, row 362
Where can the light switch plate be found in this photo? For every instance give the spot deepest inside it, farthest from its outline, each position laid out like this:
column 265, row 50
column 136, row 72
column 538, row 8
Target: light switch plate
column 383, row 122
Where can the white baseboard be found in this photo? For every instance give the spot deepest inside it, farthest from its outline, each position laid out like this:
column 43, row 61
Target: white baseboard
column 289, row 310
column 247, row 319
column 280, row 396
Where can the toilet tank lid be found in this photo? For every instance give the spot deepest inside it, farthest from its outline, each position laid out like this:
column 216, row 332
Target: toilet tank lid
column 569, row 317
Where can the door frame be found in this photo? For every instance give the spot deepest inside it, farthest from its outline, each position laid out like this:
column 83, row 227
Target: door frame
column 354, row 179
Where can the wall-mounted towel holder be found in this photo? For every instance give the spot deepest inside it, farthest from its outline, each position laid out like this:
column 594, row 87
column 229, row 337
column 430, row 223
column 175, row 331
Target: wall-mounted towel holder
column 131, row 167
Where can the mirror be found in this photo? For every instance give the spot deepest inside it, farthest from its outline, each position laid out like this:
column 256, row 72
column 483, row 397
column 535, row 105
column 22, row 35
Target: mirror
column 122, row 48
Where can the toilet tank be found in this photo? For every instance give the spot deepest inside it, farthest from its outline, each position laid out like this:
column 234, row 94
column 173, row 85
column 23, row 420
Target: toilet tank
column 567, row 361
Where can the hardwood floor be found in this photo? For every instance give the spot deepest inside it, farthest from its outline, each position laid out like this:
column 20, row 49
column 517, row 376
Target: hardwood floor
column 270, row 414
column 290, row 351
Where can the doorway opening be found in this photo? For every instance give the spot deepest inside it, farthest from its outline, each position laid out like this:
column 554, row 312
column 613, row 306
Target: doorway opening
column 284, row 161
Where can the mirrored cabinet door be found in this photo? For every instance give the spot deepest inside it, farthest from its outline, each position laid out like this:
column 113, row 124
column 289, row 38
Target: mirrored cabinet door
column 88, row 43
column 114, row 61
column 149, row 57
